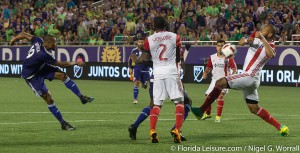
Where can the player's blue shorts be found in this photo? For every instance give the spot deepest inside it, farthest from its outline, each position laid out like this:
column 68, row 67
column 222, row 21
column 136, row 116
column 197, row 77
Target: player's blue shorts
column 142, row 76
column 37, row 81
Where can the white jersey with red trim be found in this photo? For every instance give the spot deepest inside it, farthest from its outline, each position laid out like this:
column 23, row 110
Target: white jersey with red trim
column 256, row 57
column 162, row 46
column 220, row 66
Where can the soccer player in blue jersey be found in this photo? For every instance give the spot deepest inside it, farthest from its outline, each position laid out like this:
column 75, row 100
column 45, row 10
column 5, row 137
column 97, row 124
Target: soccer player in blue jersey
column 140, row 70
column 146, row 111
column 40, row 65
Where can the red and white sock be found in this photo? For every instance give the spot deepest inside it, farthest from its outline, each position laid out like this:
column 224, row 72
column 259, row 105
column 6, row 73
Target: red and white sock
column 154, row 113
column 265, row 115
column 220, row 107
column 179, row 115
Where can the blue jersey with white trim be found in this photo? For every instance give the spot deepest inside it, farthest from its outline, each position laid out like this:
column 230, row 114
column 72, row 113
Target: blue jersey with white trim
column 36, row 58
column 143, row 66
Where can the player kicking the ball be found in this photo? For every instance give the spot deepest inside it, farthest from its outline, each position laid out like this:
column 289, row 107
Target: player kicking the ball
column 261, row 50
column 219, row 67
column 40, row 65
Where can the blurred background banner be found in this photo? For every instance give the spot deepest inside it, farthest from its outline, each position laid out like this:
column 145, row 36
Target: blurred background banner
column 289, row 56
column 271, row 75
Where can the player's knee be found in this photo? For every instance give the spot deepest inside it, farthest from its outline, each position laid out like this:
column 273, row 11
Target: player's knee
column 221, row 96
column 253, row 110
column 151, row 104
column 47, row 97
column 136, row 83
column 222, row 83
column 61, row 76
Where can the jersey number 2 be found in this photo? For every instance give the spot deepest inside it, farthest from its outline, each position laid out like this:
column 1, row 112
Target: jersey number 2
column 162, row 49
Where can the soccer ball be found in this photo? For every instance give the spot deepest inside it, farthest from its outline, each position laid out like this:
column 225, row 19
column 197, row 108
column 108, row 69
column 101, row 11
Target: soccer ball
column 229, row 50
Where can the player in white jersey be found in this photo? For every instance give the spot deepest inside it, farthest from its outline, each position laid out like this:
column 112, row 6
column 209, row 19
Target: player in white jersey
column 219, row 67
column 165, row 52
column 261, row 49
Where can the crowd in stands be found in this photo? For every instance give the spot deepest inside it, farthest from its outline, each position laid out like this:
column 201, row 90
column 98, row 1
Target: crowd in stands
column 123, row 20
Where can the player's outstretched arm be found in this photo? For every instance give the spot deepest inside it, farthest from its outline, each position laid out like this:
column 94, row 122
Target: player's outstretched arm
column 67, row 64
column 22, row 35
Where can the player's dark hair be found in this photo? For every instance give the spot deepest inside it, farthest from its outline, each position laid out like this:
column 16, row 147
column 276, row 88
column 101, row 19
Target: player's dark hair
column 160, row 23
column 48, row 38
column 272, row 30
column 140, row 38
column 221, row 41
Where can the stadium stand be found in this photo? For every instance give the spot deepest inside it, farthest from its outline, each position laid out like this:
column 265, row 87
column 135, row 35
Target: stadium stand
column 121, row 21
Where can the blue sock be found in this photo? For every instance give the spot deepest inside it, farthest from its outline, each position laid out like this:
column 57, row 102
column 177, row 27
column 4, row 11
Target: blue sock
column 56, row 113
column 144, row 114
column 135, row 92
column 72, row 86
column 187, row 109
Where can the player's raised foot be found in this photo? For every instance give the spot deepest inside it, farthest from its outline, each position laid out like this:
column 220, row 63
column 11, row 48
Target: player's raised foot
column 153, row 136
column 218, row 119
column 132, row 132
column 135, row 101
column 284, row 130
column 205, row 116
column 176, row 135
column 66, row 126
column 86, row 99
column 197, row 112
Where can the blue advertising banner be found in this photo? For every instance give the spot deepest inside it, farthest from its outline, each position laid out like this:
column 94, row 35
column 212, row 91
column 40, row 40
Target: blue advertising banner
column 288, row 56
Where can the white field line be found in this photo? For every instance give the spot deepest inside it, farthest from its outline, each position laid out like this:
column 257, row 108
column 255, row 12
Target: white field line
column 160, row 119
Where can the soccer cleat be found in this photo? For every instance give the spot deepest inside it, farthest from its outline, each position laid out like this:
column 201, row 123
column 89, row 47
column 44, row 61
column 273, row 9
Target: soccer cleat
column 86, row 99
column 176, row 135
column 153, row 136
column 218, row 119
column 66, row 126
column 183, row 138
column 205, row 116
column 132, row 132
column 284, row 130
column 197, row 112
column 135, row 101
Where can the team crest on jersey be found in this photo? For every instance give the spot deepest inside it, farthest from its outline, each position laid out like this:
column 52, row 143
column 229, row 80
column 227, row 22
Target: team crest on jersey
column 198, row 70
column 111, row 54
column 77, row 71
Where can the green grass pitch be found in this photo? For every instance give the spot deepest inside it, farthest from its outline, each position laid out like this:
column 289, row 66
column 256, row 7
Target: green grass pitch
column 26, row 124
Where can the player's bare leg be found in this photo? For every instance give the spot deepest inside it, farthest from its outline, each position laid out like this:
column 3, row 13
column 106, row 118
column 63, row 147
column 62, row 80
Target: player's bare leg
column 265, row 115
column 214, row 94
column 56, row 113
column 73, row 87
